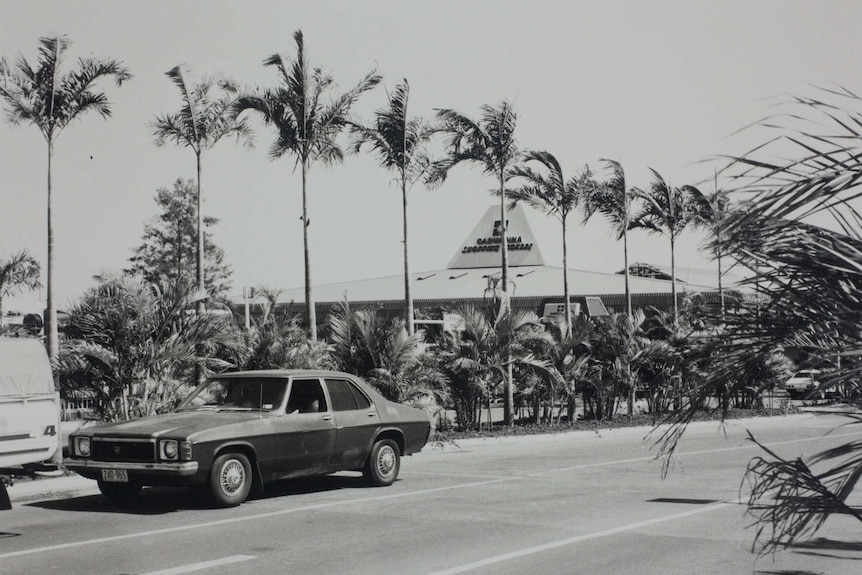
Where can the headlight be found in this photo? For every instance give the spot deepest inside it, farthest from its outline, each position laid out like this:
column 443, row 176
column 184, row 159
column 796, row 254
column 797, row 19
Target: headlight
column 168, row 449
column 82, row 446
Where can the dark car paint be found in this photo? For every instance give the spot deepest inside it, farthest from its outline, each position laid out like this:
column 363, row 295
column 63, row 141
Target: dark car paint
column 280, row 445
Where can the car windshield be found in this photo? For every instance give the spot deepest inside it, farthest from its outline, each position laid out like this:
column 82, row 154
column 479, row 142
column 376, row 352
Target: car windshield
column 237, row 393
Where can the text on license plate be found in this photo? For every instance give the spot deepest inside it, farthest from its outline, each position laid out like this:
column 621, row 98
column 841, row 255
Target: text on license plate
column 115, row 475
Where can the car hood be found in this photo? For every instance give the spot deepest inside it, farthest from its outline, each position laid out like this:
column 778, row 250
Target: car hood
column 181, row 424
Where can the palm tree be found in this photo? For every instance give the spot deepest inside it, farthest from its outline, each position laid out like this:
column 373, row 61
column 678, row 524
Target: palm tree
column 618, row 342
column 400, row 145
column 202, row 121
column 667, row 211
column 19, row 272
column 50, row 100
column 491, row 343
column 712, row 212
column 306, row 127
column 808, row 280
column 385, row 354
column 569, row 354
column 490, row 143
column 613, row 200
column 551, row 193
column 126, row 331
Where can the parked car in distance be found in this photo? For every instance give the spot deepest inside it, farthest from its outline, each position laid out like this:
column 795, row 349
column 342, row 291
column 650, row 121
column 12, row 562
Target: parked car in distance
column 238, row 431
column 803, row 382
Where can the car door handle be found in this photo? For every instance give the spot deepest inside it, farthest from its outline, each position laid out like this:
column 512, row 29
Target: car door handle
column 371, row 414
column 326, row 418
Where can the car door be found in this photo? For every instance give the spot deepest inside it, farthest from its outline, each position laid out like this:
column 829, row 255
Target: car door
column 356, row 421
column 306, row 432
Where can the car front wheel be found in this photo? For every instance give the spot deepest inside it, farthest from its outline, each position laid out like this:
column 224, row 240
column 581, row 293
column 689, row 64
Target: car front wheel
column 230, row 479
column 383, row 463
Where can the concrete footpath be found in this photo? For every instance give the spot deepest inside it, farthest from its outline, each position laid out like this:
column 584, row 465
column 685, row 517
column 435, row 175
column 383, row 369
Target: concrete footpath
column 51, row 487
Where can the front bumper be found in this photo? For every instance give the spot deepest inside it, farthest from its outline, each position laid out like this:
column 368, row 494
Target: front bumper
column 166, row 471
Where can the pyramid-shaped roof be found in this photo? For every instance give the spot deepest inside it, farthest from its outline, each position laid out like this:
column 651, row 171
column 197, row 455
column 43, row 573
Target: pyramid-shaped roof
column 481, row 247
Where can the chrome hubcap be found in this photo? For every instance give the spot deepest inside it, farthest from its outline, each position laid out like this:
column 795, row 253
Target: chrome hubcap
column 232, row 476
column 385, row 461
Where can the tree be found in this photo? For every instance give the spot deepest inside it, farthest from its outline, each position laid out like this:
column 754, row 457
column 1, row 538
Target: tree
column 491, row 343
column 127, row 335
column 490, row 143
column 808, row 280
column 569, row 354
column 617, row 345
column 19, row 272
column 50, row 100
column 385, row 354
column 399, row 142
column 306, row 127
column 169, row 244
column 713, row 213
column 613, row 200
column 667, row 211
column 203, row 120
column 551, row 193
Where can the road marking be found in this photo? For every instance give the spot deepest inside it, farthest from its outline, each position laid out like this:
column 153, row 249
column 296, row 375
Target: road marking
column 202, row 565
column 330, row 504
column 230, row 520
column 576, row 539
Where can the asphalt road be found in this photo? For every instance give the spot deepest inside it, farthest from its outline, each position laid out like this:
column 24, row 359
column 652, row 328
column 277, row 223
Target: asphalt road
column 571, row 503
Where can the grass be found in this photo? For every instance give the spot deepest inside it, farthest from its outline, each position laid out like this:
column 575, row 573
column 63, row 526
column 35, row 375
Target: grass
column 619, row 421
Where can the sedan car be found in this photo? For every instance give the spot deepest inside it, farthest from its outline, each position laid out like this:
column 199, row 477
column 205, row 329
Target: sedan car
column 237, row 431
column 802, row 382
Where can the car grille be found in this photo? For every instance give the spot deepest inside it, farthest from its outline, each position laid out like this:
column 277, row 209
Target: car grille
column 111, row 449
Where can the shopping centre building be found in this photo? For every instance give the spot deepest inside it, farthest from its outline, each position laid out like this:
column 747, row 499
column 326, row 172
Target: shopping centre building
column 475, row 269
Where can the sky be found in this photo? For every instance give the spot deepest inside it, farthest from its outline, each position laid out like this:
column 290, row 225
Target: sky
column 652, row 84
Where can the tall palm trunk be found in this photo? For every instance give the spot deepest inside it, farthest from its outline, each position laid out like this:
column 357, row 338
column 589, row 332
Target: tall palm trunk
column 408, row 297
column 720, row 287
column 509, row 402
column 311, row 315
column 673, row 278
column 632, row 396
column 51, row 328
column 568, row 305
column 201, row 304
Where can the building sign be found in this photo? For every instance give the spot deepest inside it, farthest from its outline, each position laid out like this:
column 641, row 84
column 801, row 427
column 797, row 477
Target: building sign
column 481, row 249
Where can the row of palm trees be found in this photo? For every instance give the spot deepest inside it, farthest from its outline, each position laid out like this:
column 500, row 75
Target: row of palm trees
column 132, row 345
column 307, row 118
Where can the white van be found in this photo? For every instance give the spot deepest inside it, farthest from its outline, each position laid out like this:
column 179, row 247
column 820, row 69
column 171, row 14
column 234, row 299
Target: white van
column 29, row 407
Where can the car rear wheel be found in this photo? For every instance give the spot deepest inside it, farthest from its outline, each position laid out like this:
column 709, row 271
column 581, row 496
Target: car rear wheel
column 230, row 479
column 120, row 491
column 383, row 463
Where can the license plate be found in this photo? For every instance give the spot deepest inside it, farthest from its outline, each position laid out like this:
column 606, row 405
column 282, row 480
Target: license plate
column 115, row 475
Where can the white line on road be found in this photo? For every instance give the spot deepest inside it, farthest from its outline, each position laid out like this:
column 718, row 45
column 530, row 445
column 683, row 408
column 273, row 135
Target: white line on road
column 575, row 539
column 330, row 504
column 202, row 565
column 247, row 518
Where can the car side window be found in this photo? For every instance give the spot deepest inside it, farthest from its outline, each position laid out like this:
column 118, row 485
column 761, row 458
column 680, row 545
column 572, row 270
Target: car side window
column 341, row 396
column 345, row 396
column 361, row 400
column 306, row 396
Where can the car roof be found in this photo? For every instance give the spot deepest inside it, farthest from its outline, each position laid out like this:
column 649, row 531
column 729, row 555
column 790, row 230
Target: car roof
column 287, row 373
